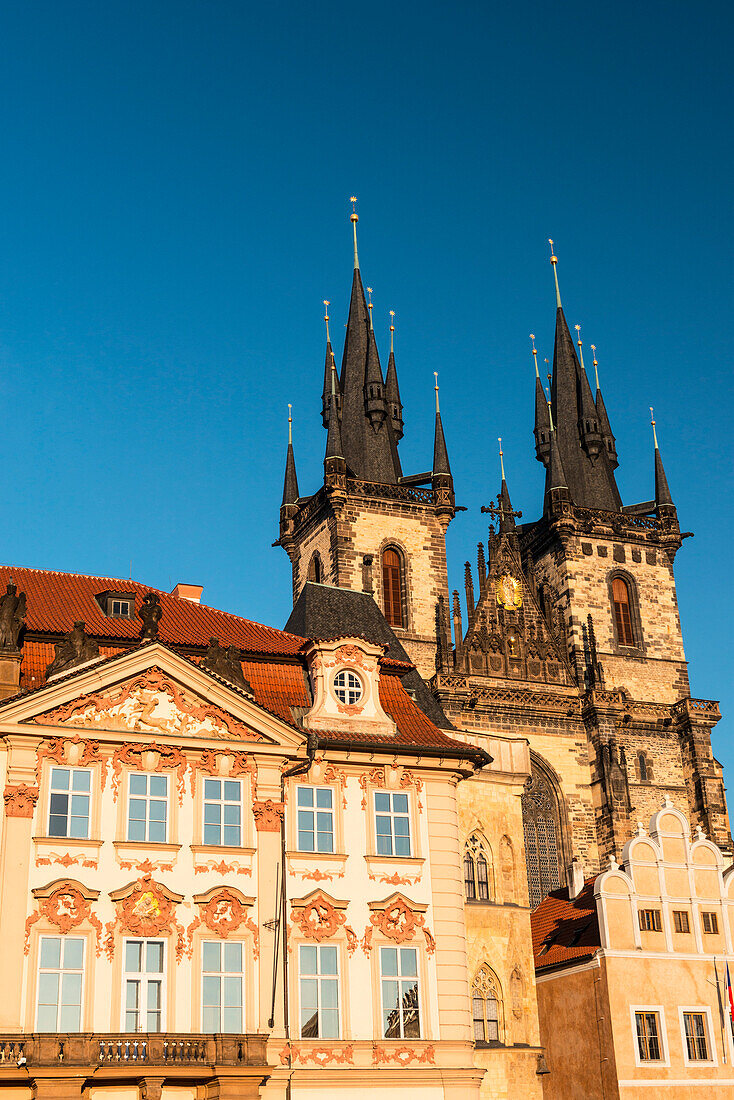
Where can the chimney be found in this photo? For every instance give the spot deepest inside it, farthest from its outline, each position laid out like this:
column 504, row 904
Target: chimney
column 190, row 592
column 575, row 878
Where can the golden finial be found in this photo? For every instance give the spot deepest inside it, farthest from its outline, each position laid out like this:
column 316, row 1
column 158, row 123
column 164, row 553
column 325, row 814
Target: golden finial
column 554, row 262
column 333, row 375
column 502, row 460
column 535, row 355
column 327, row 303
column 654, row 433
column 596, row 365
column 550, row 410
column 581, row 349
column 392, row 329
column 435, row 375
column 290, row 425
column 354, row 218
column 369, row 304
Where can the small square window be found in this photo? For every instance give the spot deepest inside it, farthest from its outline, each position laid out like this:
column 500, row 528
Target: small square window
column 710, row 923
column 680, row 921
column 650, row 920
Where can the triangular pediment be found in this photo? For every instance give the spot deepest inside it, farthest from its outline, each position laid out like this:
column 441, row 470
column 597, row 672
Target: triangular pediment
column 150, row 691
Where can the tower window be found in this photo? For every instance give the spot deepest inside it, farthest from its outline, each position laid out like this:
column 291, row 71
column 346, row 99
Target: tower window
column 622, row 613
column 392, row 587
column 316, row 570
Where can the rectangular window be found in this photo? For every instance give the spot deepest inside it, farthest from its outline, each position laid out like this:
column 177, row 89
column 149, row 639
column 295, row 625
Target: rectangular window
column 696, row 1041
column 223, row 812
column 650, row 920
column 147, row 808
column 680, row 921
column 400, row 1001
column 648, row 1036
column 318, row 975
column 315, row 819
column 221, row 987
column 120, row 608
column 60, row 974
column 710, row 923
column 143, row 985
column 68, row 812
column 392, row 823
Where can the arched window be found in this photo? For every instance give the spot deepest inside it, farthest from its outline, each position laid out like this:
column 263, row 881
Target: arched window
column 622, row 611
column 486, row 1007
column 392, row 587
column 644, row 768
column 477, row 869
column 542, row 837
column 316, row 570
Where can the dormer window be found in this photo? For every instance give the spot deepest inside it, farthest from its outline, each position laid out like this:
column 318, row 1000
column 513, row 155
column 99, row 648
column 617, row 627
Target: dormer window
column 117, row 605
column 348, row 687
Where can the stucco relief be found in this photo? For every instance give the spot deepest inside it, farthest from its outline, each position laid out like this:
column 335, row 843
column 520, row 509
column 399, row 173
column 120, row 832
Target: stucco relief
column 398, row 921
column 76, row 752
column 66, row 859
column 268, row 815
column 224, row 765
column 145, row 908
column 223, row 911
column 393, row 777
column 221, row 868
column 20, row 800
column 319, row 917
column 66, row 905
column 318, row 1056
column 149, row 758
column 403, row 1056
column 151, row 701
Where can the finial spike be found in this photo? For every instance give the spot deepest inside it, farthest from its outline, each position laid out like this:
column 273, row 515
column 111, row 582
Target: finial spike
column 654, row 432
column 392, row 329
column 535, row 356
column 369, row 305
column 354, row 218
column 550, row 410
column 290, row 424
column 554, row 262
column 596, row 365
column 502, row 459
column 581, row 347
column 435, row 375
column 327, row 303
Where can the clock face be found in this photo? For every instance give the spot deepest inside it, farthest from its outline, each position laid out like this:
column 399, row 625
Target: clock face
column 509, row 592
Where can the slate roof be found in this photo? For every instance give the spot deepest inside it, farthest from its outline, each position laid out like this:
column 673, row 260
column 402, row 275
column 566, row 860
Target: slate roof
column 273, row 660
column 325, row 611
column 565, row 931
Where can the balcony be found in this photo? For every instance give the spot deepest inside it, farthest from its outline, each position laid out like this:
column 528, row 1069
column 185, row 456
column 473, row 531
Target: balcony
column 109, row 1057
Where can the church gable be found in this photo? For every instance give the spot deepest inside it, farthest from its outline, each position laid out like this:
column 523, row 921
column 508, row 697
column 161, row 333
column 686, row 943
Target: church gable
column 508, row 636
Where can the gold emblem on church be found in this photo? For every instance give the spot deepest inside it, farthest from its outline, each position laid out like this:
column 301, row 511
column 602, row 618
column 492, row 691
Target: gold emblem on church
column 509, row 592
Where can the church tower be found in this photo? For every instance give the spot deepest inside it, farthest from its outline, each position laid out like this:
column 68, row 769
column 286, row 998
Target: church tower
column 369, row 527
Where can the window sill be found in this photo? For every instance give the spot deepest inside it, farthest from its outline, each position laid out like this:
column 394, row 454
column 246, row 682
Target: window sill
column 222, row 859
column 67, row 851
column 317, row 866
column 395, row 870
column 68, row 841
column 142, row 855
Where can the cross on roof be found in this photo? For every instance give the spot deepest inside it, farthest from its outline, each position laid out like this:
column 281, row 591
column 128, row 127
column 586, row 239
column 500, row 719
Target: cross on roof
column 499, row 511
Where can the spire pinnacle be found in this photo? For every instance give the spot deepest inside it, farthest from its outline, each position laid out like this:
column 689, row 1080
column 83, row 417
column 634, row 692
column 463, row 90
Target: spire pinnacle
column 502, row 459
column 554, row 263
column 580, row 345
column 550, row 410
column 354, row 218
column 535, row 356
column 596, row 365
column 370, row 307
column 290, row 425
column 392, row 331
column 290, row 481
column 654, row 433
column 435, row 375
column 327, row 303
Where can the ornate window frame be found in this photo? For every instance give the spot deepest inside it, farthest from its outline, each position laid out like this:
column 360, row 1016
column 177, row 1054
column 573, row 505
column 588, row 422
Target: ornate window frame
column 549, row 778
column 481, row 849
column 638, row 649
column 491, row 984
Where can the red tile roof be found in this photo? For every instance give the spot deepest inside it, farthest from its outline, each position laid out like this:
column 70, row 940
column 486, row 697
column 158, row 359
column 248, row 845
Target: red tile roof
column 273, row 662
column 565, row 930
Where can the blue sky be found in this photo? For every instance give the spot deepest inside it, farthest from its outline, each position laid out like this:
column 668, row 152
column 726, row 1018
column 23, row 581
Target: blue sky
column 173, row 210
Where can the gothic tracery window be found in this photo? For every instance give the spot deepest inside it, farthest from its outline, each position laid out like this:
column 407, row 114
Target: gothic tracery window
column 486, row 1007
column 542, row 838
column 622, row 611
column 392, row 587
column 477, row 869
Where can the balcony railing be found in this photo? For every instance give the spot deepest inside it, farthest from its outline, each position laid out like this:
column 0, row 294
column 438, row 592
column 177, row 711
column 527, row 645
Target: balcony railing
column 172, row 1051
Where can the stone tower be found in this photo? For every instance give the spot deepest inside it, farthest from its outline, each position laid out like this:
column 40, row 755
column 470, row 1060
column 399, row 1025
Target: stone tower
column 573, row 643
column 369, row 527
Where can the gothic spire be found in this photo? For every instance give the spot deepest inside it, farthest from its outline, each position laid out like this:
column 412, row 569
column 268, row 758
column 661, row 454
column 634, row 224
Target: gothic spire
column 326, row 392
column 604, row 425
column 334, row 448
column 662, row 492
column 290, row 482
column 440, row 452
column 392, row 391
column 556, row 486
column 589, row 475
column 542, row 424
column 507, row 519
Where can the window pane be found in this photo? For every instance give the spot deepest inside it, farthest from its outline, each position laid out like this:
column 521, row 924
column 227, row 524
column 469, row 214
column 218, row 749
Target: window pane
column 211, row 990
column 47, row 1018
column 233, row 958
column 60, row 779
column 157, row 810
column 232, row 1020
column 308, row 960
column 79, row 827
column 408, row 962
column 232, row 790
column 136, row 830
column 390, row 1010
column 400, row 803
column 411, row 1017
column 330, row 994
column 51, row 951
column 232, row 836
column 210, row 1019
column 80, row 780
column 231, row 814
column 48, row 989
column 157, row 832
column 305, row 796
column 402, row 846
column 158, row 785
column 155, row 957
column 328, row 960
column 305, row 841
column 133, row 956
column 154, row 996
column 389, row 961
column 132, row 995
column 210, row 955
column 382, row 801
column 330, row 1023
column 232, row 992
column 212, row 788
column 323, row 797
column 212, row 834
column 138, row 784
column 73, row 954
column 212, row 813
column 59, row 804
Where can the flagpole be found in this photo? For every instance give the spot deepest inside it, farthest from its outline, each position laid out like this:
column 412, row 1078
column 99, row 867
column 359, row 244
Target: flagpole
column 721, row 1011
